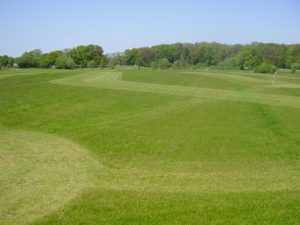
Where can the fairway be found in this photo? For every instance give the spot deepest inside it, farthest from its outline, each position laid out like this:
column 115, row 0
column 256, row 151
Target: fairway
column 127, row 146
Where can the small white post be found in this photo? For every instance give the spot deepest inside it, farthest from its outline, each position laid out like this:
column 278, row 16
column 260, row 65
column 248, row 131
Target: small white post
column 274, row 76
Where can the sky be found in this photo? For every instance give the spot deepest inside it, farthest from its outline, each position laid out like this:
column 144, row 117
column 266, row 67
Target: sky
column 117, row 25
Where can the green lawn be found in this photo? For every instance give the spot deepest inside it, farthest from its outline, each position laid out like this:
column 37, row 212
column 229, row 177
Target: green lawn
column 147, row 146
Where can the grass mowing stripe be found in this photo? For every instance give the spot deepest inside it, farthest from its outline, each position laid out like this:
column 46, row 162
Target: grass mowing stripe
column 112, row 80
column 119, row 156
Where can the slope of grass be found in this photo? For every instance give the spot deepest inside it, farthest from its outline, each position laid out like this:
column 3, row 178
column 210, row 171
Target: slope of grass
column 39, row 173
column 144, row 147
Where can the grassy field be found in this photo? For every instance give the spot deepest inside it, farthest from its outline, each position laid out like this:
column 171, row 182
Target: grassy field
column 147, row 146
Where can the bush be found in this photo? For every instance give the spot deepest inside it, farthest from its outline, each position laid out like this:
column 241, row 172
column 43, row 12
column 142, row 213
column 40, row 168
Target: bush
column 164, row 63
column 265, row 68
column 229, row 63
column 92, row 64
column 154, row 65
column 112, row 63
column 294, row 67
column 64, row 62
column 201, row 65
column 181, row 64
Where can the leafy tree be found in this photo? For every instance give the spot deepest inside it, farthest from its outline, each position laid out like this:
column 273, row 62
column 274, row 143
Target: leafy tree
column 164, row 63
column 4, row 60
column 112, row 63
column 49, row 60
column 144, row 56
column 92, row 64
column 64, row 62
column 103, row 62
column 265, row 68
column 83, row 54
column 294, row 67
column 293, row 55
column 181, row 63
column 119, row 59
column 30, row 59
column 229, row 63
column 25, row 61
column 274, row 54
column 249, row 57
column 130, row 56
column 154, row 65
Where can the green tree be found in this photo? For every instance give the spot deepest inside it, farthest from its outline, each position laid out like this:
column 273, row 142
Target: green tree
column 265, row 68
column 112, row 63
column 49, row 59
column 293, row 55
column 181, row 63
column 64, row 62
column 83, row 54
column 103, row 62
column 294, row 67
column 92, row 64
column 144, row 56
column 229, row 63
column 250, row 57
column 4, row 60
column 164, row 63
column 30, row 59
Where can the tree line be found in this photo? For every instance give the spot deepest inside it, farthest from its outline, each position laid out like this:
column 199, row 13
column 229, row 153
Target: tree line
column 260, row 57
column 81, row 56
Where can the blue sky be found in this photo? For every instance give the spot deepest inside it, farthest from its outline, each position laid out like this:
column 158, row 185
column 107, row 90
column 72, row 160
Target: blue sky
column 117, row 25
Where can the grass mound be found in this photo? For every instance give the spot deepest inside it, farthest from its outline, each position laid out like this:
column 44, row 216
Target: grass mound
column 39, row 173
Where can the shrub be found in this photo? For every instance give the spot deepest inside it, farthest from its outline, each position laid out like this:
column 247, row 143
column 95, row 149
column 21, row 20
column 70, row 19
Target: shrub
column 112, row 63
column 164, row 63
column 154, row 65
column 92, row 64
column 229, row 63
column 265, row 68
column 181, row 64
column 294, row 67
column 64, row 62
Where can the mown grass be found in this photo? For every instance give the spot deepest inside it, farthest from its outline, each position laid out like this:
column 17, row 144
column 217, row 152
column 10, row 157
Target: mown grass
column 130, row 207
column 145, row 154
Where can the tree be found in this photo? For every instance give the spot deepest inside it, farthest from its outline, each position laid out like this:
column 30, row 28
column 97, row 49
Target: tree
column 229, row 63
column 294, row 67
column 83, row 54
column 181, row 63
column 30, row 59
column 92, row 64
column 25, row 61
column 130, row 56
column 4, row 60
column 64, row 62
column 293, row 55
column 265, row 68
column 103, row 62
column 250, row 56
column 10, row 62
column 144, row 56
column 112, row 63
column 164, row 63
column 49, row 60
